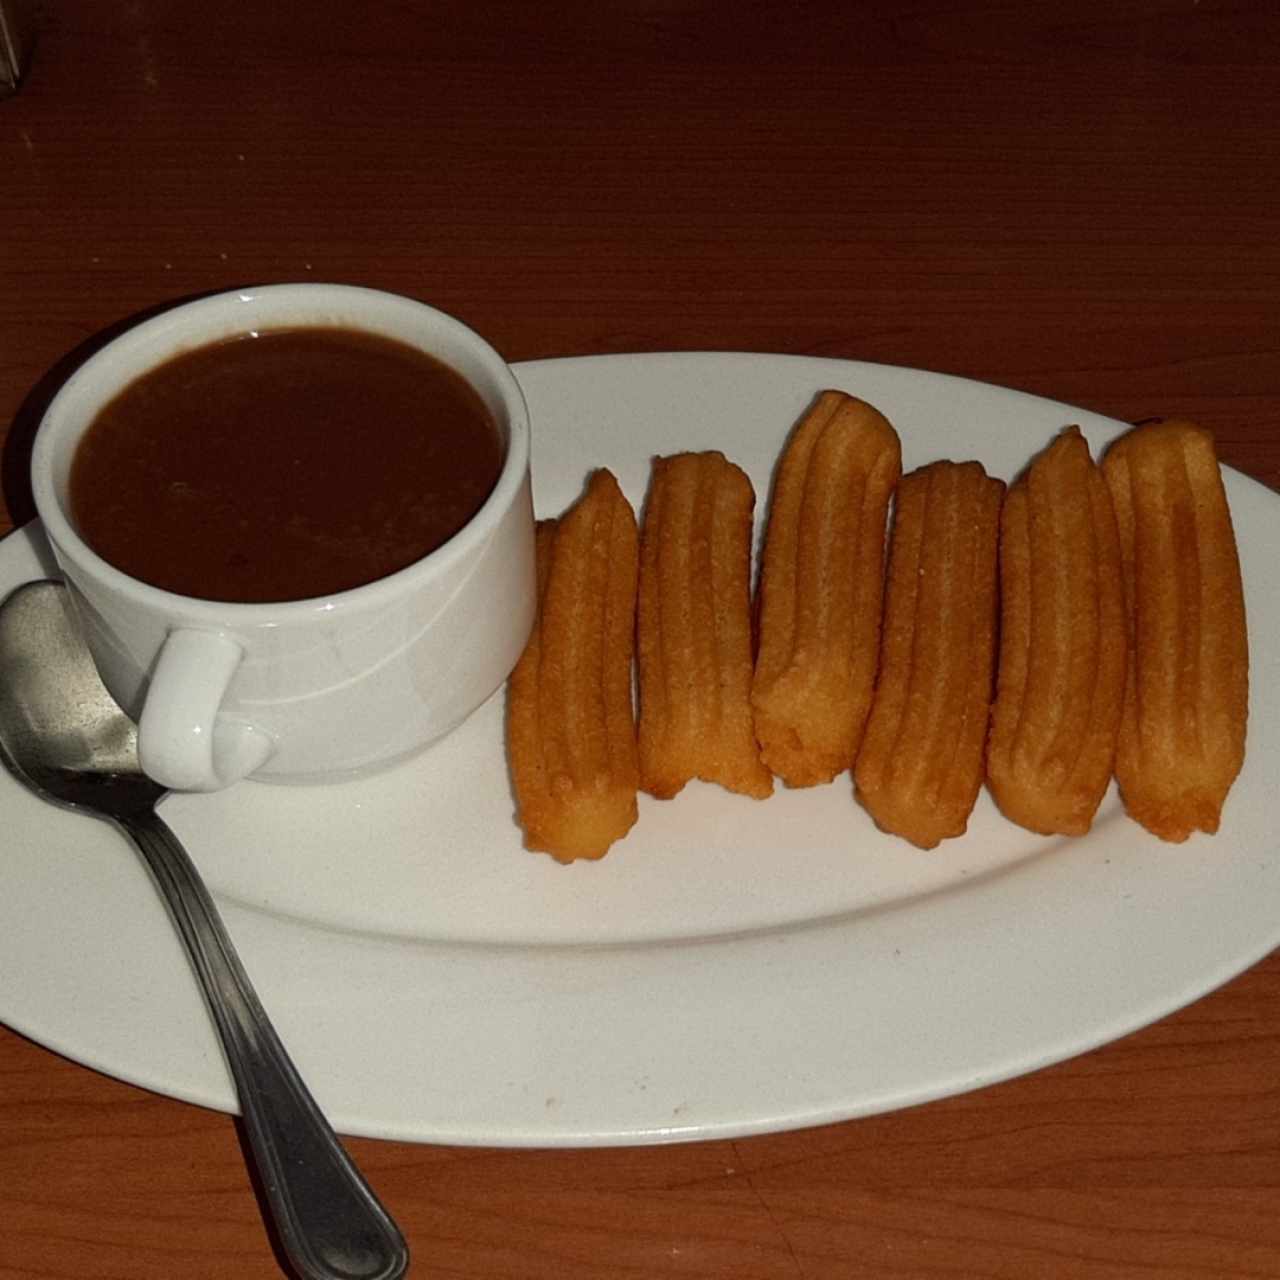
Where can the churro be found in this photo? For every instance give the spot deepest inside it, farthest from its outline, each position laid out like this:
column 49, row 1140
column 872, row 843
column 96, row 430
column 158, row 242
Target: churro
column 1063, row 644
column 821, row 583
column 920, row 765
column 693, row 637
column 1182, row 733
column 570, row 725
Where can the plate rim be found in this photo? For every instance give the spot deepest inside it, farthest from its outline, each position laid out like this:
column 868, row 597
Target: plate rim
column 557, row 1128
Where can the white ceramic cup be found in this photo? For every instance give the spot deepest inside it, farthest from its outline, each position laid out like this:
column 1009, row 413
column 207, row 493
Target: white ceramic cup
column 307, row 690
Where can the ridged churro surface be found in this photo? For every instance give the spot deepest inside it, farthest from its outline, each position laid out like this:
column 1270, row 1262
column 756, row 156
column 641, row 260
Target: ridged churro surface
column 570, row 724
column 1063, row 646
column 1182, row 734
column 821, row 584
column 921, row 763
column 693, row 642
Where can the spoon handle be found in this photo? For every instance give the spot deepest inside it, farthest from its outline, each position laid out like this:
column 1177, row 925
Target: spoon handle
column 330, row 1223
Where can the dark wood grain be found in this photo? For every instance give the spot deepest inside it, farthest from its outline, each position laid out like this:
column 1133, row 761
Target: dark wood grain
column 1079, row 200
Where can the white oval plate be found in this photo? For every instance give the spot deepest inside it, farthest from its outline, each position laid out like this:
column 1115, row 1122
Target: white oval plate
column 733, row 966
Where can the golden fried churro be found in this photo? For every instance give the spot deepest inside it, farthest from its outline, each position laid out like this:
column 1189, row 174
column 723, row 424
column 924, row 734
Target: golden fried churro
column 570, row 726
column 1063, row 644
column 694, row 628
column 920, row 765
column 1182, row 734
column 821, row 583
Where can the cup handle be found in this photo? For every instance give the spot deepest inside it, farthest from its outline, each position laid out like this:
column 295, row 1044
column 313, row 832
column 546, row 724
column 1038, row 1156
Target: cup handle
column 183, row 743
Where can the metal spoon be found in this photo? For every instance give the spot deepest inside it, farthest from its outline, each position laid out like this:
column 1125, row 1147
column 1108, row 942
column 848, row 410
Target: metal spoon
column 62, row 734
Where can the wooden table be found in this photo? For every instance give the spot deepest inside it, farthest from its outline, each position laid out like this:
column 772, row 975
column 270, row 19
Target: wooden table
column 1077, row 199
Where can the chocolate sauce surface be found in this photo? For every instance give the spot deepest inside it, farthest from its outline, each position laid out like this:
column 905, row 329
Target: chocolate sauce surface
column 286, row 465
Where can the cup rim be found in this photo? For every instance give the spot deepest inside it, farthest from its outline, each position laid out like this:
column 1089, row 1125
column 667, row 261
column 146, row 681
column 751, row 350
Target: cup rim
column 184, row 320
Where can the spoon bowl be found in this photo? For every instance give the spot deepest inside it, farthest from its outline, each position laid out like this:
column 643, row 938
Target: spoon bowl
column 61, row 732
column 63, row 736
